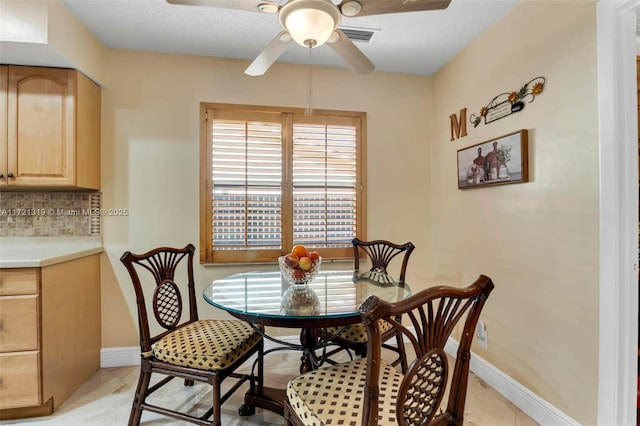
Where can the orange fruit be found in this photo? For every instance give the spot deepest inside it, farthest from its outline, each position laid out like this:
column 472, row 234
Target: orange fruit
column 299, row 250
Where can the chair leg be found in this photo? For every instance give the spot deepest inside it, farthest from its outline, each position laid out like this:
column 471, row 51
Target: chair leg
column 216, row 402
column 287, row 415
column 361, row 351
column 188, row 382
column 260, row 368
column 140, row 396
column 402, row 353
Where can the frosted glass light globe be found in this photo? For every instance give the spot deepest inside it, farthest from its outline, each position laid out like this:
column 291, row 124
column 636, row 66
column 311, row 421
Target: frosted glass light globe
column 310, row 22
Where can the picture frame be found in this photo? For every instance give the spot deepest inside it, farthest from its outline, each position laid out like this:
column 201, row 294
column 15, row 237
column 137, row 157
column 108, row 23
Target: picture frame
column 499, row 161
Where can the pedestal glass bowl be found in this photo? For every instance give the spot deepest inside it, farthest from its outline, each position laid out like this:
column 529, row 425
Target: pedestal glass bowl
column 300, row 300
column 297, row 275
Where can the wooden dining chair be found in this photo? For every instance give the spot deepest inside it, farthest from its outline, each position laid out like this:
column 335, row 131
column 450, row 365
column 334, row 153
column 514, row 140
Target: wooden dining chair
column 380, row 254
column 206, row 351
column 370, row 392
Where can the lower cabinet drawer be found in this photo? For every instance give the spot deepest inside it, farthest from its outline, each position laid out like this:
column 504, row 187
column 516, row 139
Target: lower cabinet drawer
column 18, row 281
column 18, row 323
column 19, row 379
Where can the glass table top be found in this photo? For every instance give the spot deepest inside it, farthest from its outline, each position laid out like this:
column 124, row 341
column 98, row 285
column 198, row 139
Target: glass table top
column 331, row 294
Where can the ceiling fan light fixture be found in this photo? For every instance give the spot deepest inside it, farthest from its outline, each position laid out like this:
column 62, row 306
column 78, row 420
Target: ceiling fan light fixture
column 310, row 22
column 268, row 7
column 351, row 8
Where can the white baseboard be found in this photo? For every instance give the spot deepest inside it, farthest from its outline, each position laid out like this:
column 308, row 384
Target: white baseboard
column 119, row 357
column 534, row 406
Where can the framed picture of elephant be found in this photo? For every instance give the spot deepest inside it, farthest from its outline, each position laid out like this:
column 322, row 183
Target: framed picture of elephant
column 498, row 161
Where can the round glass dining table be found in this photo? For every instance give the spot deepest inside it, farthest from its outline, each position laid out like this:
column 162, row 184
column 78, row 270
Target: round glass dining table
column 331, row 299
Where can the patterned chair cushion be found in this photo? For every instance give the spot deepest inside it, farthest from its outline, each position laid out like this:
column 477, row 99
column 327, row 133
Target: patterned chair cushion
column 207, row 344
column 357, row 333
column 334, row 395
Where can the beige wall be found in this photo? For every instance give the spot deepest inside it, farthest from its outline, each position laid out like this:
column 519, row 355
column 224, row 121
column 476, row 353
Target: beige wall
column 150, row 140
column 70, row 39
column 46, row 33
column 537, row 240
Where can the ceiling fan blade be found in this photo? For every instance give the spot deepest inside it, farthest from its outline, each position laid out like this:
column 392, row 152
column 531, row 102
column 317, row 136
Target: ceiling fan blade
column 250, row 5
column 269, row 55
column 349, row 52
column 378, row 7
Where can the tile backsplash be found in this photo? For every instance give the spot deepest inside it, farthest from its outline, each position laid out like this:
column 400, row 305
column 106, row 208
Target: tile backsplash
column 52, row 214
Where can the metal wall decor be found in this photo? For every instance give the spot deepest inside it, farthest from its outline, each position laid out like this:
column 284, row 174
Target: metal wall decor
column 509, row 102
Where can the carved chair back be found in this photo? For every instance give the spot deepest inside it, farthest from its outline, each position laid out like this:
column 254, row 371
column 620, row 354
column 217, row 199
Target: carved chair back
column 380, row 253
column 165, row 292
column 433, row 315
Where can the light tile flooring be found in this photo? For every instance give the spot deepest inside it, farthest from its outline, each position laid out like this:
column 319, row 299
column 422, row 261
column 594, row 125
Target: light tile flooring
column 105, row 400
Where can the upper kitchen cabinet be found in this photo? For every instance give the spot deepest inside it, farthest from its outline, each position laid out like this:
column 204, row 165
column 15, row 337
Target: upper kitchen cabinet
column 51, row 128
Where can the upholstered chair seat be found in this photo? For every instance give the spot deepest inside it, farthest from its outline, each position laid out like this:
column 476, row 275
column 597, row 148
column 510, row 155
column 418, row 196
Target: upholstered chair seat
column 207, row 344
column 356, row 333
column 335, row 395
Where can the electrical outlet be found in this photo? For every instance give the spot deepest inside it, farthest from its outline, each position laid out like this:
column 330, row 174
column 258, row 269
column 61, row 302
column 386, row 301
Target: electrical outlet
column 482, row 334
column 484, row 343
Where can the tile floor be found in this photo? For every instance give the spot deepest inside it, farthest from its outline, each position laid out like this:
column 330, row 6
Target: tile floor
column 105, row 400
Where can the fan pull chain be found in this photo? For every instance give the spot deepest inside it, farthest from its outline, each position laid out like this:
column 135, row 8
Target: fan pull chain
column 309, row 109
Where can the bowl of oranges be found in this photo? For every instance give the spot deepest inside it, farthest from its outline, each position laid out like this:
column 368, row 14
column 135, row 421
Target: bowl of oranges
column 300, row 265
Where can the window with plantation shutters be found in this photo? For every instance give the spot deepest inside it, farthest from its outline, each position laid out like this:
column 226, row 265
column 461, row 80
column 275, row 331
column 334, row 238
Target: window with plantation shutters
column 273, row 178
column 324, row 185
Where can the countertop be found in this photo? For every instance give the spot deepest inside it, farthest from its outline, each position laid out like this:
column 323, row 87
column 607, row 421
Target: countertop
column 34, row 252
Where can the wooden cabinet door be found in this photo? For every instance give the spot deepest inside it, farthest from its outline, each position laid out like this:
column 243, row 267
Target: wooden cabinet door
column 41, row 134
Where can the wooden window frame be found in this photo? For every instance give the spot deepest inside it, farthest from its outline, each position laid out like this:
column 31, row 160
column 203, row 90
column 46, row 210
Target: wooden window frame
column 210, row 256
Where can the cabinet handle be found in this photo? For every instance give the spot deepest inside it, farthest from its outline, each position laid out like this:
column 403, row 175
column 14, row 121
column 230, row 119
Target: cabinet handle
column 1, row 175
column 9, row 175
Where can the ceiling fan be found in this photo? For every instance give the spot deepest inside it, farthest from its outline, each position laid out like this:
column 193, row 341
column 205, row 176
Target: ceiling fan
column 312, row 23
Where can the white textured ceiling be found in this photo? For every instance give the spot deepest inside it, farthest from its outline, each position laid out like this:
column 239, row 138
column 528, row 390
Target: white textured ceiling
column 410, row 42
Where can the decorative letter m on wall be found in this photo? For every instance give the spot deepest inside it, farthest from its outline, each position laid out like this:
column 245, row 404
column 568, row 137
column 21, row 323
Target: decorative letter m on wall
column 459, row 127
